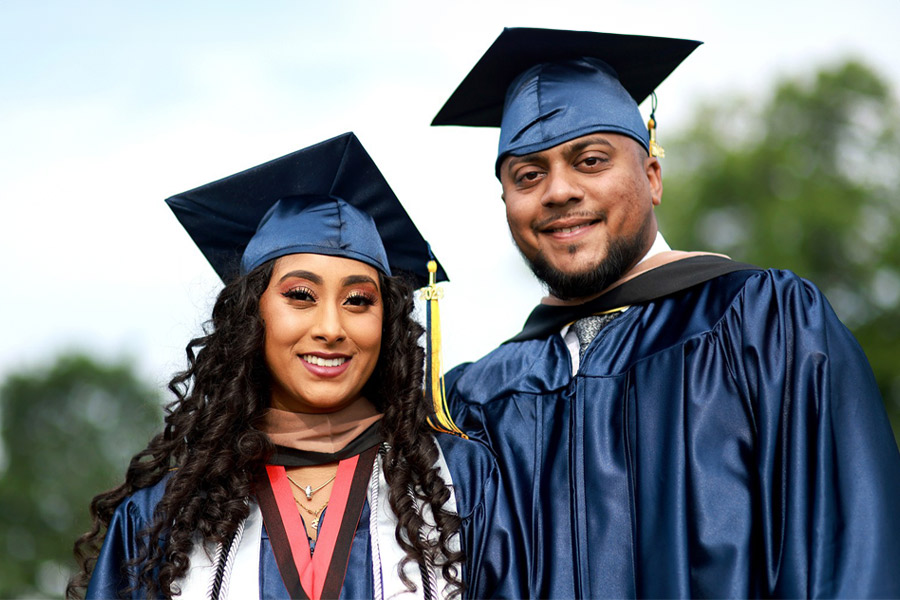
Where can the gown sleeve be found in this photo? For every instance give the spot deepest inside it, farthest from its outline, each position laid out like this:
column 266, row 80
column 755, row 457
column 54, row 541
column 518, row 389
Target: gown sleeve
column 828, row 467
column 490, row 538
column 121, row 544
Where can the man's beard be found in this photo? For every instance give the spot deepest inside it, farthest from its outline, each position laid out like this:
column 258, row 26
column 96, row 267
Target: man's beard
column 621, row 255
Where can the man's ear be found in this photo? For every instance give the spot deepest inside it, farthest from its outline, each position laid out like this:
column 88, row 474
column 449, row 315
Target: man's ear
column 653, row 170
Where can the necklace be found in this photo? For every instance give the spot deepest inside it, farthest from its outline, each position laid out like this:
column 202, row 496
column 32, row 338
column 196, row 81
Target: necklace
column 308, row 490
column 314, row 513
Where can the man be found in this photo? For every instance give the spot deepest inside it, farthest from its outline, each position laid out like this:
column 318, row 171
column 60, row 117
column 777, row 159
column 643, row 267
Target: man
column 669, row 424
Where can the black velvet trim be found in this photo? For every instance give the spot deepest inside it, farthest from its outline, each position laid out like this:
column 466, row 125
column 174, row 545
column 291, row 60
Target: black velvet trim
column 656, row 283
column 291, row 457
column 359, row 486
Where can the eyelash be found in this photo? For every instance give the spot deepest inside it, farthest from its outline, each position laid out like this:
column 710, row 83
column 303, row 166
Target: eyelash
column 525, row 177
column 300, row 293
column 355, row 298
column 366, row 299
column 597, row 160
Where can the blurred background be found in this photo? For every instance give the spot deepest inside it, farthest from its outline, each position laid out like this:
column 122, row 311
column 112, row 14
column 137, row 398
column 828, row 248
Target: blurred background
column 783, row 149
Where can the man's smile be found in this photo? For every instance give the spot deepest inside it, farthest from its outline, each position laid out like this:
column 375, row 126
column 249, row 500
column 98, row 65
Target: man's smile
column 568, row 226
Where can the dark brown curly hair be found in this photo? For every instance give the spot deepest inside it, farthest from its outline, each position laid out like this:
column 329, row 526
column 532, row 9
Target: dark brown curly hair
column 214, row 450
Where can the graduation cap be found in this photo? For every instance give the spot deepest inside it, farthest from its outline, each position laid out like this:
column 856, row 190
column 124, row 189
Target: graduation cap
column 543, row 87
column 329, row 198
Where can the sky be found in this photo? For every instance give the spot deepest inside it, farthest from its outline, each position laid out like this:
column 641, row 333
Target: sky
column 108, row 107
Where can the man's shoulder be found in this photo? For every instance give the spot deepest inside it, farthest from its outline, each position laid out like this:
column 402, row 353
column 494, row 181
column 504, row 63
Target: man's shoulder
column 733, row 298
column 531, row 366
column 730, row 291
column 780, row 290
column 541, row 363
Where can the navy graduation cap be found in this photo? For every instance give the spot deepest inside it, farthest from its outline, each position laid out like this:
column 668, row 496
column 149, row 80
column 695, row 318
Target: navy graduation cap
column 329, row 198
column 543, row 87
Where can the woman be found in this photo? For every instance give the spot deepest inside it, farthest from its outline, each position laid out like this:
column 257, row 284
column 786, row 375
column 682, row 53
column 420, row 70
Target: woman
column 297, row 460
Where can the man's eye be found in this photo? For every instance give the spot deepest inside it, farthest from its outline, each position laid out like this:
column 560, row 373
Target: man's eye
column 528, row 176
column 593, row 161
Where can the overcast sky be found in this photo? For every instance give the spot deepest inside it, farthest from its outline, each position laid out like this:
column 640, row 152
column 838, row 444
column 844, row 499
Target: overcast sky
column 107, row 108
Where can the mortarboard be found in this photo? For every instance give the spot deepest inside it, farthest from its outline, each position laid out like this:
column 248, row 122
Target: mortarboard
column 329, row 198
column 543, row 87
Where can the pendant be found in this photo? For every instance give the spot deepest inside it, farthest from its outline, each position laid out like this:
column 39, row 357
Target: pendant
column 309, row 492
column 315, row 523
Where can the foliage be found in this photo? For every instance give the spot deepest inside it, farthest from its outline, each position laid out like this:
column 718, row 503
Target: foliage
column 68, row 432
column 809, row 181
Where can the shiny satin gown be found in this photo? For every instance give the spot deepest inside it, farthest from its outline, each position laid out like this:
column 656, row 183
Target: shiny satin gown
column 486, row 536
column 724, row 441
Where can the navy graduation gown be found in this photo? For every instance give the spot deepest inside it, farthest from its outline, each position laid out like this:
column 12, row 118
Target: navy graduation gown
column 486, row 536
column 727, row 440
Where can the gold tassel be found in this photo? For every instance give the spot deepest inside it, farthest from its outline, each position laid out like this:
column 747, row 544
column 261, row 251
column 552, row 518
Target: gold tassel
column 655, row 149
column 440, row 420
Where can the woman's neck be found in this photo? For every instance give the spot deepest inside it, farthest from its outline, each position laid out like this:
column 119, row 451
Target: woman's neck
column 320, row 432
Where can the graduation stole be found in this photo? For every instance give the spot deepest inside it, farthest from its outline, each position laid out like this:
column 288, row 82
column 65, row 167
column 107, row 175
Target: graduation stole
column 308, row 576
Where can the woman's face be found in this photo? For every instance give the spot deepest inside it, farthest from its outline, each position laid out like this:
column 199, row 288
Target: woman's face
column 323, row 317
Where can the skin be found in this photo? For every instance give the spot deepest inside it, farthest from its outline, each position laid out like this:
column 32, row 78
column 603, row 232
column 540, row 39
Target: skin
column 320, row 308
column 313, row 476
column 565, row 205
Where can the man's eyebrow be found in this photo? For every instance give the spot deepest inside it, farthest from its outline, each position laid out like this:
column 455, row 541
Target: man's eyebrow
column 302, row 275
column 516, row 160
column 591, row 141
column 574, row 148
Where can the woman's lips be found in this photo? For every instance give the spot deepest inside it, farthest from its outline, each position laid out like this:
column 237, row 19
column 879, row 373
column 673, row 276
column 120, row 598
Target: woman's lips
column 325, row 365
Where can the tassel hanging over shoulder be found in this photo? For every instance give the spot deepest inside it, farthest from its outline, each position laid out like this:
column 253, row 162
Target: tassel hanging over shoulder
column 440, row 419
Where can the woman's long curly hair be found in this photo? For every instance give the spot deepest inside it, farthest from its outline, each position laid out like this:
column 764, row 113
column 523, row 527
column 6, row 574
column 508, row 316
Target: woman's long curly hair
column 214, row 450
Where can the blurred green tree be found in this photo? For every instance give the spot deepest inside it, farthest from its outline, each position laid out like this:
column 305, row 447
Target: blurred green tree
column 806, row 180
column 68, row 432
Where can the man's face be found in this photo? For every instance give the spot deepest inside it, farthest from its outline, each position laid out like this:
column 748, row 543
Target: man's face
column 581, row 212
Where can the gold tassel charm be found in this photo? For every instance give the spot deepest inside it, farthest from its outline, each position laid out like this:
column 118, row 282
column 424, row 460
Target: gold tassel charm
column 440, row 420
column 655, row 149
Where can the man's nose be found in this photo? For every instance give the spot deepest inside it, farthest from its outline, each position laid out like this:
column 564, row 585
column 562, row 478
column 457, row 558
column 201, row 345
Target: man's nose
column 561, row 187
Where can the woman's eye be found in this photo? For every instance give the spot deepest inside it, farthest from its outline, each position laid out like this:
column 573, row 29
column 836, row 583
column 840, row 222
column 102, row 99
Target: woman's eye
column 360, row 299
column 300, row 293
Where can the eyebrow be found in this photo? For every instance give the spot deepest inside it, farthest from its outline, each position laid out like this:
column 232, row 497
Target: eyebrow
column 575, row 148
column 515, row 160
column 346, row 281
column 302, row 275
column 355, row 279
column 579, row 146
